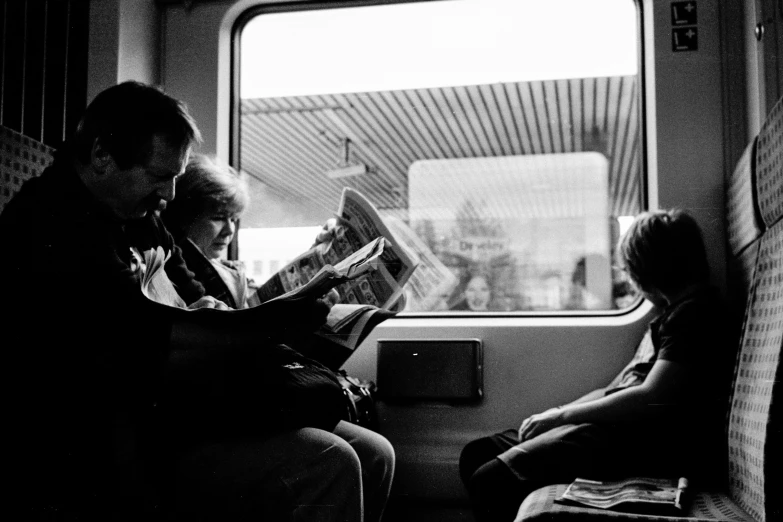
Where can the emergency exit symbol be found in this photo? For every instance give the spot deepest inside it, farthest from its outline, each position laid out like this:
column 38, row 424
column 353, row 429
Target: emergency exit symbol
column 684, row 13
column 685, row 39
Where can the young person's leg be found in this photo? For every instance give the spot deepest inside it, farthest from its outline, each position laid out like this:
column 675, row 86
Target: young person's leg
column 480, row 451
column 498, row 485
column 493, row 488
column 496, row 492
column 376, row 455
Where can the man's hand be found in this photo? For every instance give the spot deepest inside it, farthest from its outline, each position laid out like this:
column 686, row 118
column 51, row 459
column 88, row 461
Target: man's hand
column 540, row 423
column 209, row 302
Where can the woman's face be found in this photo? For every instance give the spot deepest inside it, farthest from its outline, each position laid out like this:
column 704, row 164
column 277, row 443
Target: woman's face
column 477, row 293
column 213, row 232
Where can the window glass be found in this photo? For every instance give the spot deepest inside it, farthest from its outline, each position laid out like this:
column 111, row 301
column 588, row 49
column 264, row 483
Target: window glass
column 503, row 137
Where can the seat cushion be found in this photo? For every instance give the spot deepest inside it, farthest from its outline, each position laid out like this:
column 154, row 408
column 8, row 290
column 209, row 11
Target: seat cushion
column 21, row 158
column 540, row 506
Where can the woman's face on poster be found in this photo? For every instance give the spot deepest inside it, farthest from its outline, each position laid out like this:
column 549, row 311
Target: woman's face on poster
column 477, row 293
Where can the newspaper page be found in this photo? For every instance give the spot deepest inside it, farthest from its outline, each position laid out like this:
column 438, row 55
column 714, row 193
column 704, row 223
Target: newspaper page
column 295, row 279
column 346, row 327
column 359, row 224
column 432, row 282
column 638, row 493
column 155, row 284
column 347, row 324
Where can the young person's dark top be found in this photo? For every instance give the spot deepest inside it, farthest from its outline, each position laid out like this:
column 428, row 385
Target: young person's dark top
column 85, row 351
column 693, row 333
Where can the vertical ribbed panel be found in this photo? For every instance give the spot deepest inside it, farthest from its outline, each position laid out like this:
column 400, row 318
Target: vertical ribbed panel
column 43, row 73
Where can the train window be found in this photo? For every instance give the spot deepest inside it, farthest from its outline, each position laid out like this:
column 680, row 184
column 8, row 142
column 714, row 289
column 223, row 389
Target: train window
column 504, row 137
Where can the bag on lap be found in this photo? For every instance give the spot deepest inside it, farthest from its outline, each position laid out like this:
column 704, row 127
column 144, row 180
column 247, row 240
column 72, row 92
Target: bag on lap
column 306, row 393
column 359, row 400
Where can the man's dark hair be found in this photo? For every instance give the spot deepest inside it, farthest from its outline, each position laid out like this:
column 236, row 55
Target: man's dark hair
column 125, row 117
column 664, row 250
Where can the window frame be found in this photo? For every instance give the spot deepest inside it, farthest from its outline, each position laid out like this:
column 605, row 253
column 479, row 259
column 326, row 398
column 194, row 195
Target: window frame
column 272, row 6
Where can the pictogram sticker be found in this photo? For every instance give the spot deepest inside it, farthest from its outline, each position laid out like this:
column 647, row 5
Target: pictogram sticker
column 685, row 39
column 684, row 13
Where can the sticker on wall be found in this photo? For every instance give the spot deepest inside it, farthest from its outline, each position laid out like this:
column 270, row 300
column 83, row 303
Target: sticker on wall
column 683, row 13
column 685, row 39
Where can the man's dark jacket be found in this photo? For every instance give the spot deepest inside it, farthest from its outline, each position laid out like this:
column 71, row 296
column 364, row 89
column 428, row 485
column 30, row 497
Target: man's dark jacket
column 88, row 358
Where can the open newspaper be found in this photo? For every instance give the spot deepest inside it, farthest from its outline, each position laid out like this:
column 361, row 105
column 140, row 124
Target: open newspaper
column 364, row 258
column 365, row 262
column 309, row 276
column 639, row 495
column 155, row 284
column 432, row 282
column 347, row 325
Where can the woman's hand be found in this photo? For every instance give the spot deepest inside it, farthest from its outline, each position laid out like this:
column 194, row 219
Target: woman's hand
column 330, row 231
column 209, row 302
column 540, row 423
column 331, row 298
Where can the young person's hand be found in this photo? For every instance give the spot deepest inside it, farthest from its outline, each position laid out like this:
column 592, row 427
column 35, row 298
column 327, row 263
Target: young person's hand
column 540, row 423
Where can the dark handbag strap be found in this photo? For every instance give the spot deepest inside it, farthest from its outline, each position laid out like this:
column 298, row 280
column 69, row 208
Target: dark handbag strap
column 205, row 272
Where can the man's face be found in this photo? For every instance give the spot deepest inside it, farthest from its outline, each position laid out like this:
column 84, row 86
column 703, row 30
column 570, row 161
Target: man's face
column 135, row 192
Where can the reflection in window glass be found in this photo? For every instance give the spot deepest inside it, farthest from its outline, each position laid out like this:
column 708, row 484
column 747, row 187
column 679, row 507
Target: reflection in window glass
column 510, row 155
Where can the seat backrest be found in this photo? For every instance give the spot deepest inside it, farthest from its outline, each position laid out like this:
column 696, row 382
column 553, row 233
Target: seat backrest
column 21, row 158
column 743, row 229
column 754, row 426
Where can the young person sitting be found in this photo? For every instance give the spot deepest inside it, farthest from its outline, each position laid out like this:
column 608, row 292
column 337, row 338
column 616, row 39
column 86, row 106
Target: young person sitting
column 661, row 416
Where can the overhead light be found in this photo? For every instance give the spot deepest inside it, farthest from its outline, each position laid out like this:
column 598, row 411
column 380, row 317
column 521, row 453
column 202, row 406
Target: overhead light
column 348, row 170
column 346, row 167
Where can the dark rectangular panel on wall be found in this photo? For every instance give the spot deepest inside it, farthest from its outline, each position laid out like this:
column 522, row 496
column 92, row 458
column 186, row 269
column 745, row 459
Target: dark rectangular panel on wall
column 43, row 73
column 440, row 370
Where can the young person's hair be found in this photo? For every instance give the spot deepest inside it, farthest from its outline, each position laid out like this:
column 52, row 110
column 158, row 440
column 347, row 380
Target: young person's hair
column 206, row 187
column 664, row 250
column 124, row 118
